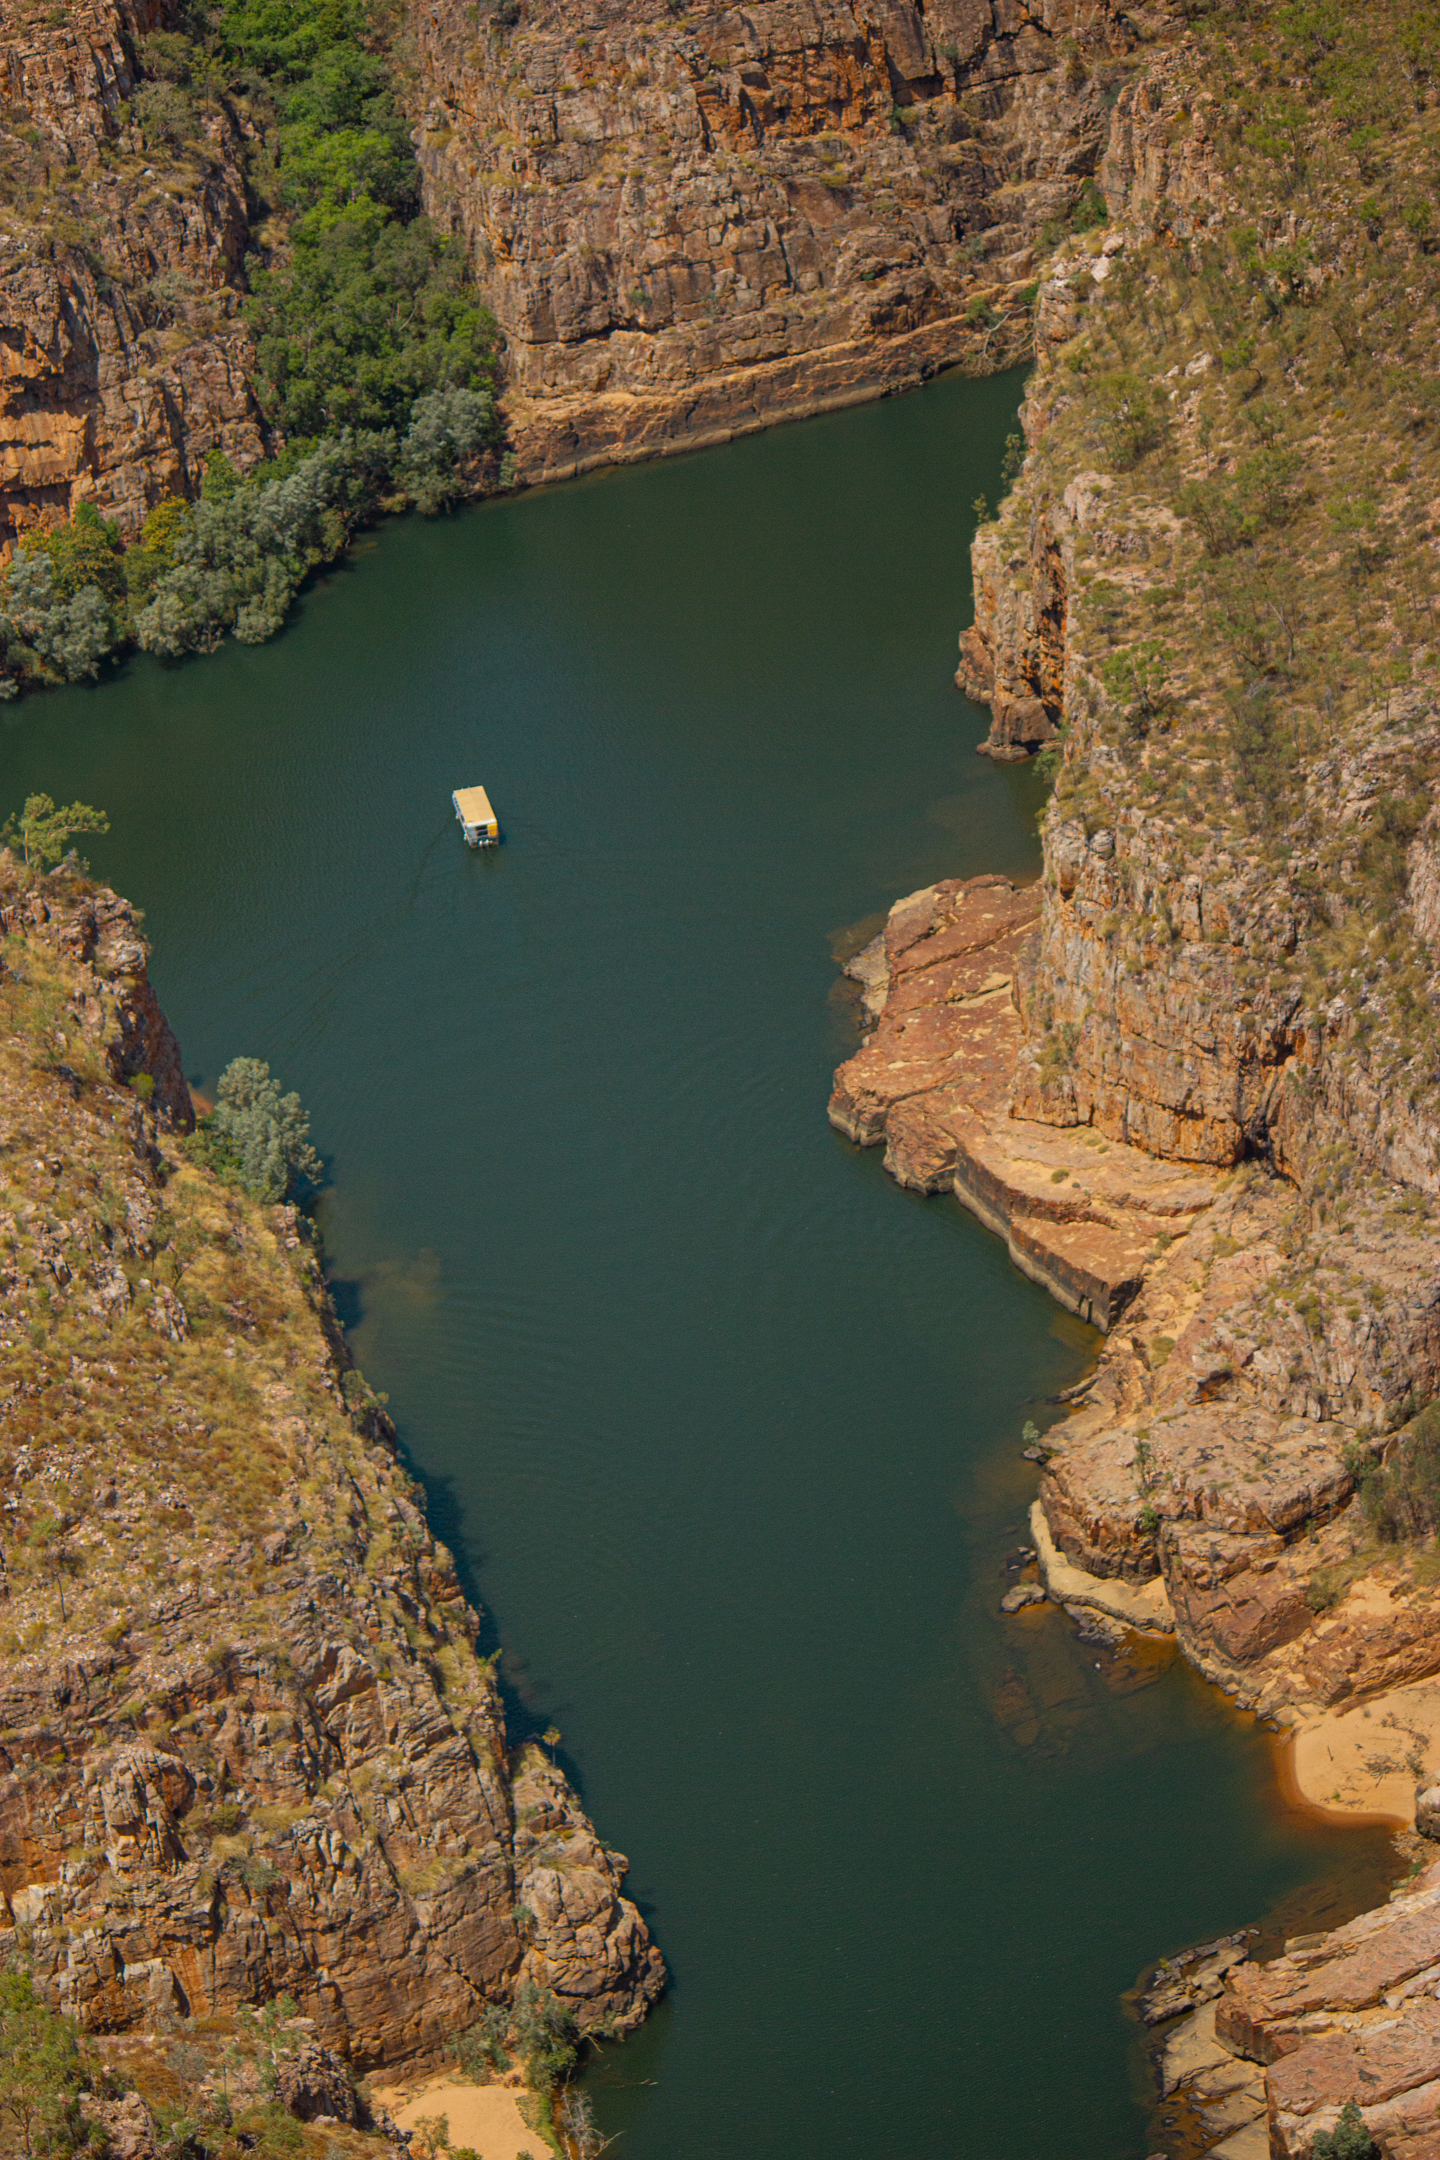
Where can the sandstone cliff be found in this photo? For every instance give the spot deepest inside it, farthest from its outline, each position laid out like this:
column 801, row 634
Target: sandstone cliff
column 690, row 225
column 246, row 1744
column 687, row 225
column 1196, row 1089
column 122, row 363
column 1200, row 1100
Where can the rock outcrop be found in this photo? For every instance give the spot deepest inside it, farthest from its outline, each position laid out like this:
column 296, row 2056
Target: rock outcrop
column 1176, row 1067
column 1227, row 977
column 1346, row 2016
column 932, row 1081
column 247, row 1747
column 688, row 228
column 123, row 361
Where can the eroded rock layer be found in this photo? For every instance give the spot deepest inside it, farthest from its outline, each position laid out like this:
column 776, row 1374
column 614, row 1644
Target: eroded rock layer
column 689, row 227
column 1227, row 977
column 247, row 1746
column 122, row 359
column 1177, row 1059
column 1344, row 2017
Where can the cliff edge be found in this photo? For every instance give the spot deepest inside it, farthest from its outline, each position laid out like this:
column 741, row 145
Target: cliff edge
column 1191, row 1076
column 691, row 224
column 247, row 1747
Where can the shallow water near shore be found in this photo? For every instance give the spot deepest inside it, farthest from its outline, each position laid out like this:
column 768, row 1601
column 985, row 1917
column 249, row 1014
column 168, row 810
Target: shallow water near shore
column 723, row 1426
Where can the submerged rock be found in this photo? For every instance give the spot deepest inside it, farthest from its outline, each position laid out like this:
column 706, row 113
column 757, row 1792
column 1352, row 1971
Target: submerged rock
column 1023, row 1594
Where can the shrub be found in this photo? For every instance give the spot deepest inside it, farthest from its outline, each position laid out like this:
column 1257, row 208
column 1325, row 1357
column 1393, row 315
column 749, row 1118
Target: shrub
column 1124, row 417
column 1090, row 209
column 166, row 114
column 1349, row 2140
column 42, row 2072
column 1267, row 491
column 255, row 1136
column 1402, row 1500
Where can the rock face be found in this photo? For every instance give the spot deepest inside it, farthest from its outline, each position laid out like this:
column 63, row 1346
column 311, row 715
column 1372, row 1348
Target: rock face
column 1347, row 2016
column 688, row 228
column 932, row 1082
column 1151, row 1096
column 246, row 1744
column 314, row 2082
column 1202, row 1103
column 122, row 362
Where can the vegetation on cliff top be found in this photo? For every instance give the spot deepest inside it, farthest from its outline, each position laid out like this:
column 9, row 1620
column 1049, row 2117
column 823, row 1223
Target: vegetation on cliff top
column 376, row 360
column 1254, row 388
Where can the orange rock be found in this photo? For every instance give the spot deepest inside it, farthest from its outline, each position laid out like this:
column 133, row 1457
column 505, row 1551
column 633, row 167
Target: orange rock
column 689, row 229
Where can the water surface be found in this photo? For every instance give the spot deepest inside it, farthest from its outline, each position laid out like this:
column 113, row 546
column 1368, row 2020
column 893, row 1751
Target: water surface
column 724, row 1427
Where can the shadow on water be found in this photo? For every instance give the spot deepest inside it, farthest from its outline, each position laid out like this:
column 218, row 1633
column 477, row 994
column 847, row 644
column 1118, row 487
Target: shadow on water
column 723, row 1428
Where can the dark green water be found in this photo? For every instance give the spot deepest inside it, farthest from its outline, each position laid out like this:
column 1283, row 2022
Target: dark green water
column 724, row 1426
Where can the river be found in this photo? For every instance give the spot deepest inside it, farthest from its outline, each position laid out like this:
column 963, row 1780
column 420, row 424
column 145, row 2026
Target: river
column 724, row 1427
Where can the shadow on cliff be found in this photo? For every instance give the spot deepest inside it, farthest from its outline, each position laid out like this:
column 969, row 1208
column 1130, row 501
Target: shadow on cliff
column 526, row 1717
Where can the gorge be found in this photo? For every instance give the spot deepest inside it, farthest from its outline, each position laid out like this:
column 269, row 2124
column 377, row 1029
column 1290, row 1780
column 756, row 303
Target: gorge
column 1187, row 1077
column 745, row 1549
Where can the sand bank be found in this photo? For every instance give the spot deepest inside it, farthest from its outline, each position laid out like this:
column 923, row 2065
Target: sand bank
column 1365, row 1761
column 485, row 2117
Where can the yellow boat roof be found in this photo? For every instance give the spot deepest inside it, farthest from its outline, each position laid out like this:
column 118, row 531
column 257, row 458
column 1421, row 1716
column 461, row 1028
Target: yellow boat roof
column 473, row 805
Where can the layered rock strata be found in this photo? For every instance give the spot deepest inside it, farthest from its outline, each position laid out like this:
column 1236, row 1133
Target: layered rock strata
column 690, row 227
column 247, row 1745
column 122, row 359
column 1230, row 975
column 1346, row 2016
column 1159, row 1018
column 1079, row 1214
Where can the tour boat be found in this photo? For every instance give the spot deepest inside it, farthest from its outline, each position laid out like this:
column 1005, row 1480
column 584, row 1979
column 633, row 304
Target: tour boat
column 478, row 821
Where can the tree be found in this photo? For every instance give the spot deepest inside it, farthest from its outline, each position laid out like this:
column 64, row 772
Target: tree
column 368, row 314
column 447, row 427
column 49, row 1554
column 48, row 631
column 546, row 2035
column 432, row 2136
column 41, row 2072
column 44, row 832
column 257, row 1136
column 1349, row 2140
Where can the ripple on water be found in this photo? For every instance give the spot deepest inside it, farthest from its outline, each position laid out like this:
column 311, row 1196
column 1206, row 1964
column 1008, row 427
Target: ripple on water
column 723, row 1426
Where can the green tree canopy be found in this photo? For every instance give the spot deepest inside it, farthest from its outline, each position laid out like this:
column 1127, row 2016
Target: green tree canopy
column 42, row 2073
column 257, row 1136
column 369, row 315
column 43, row 833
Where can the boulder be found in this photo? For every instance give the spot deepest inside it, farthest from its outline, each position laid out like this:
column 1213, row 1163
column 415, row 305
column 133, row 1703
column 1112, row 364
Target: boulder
column 1427, row 1810
column 313, row 2081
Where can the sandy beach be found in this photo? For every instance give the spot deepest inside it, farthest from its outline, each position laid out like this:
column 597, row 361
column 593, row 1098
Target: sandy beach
column 485, row 2117
column 1363, row 1763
